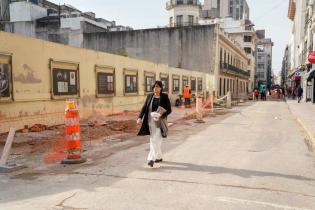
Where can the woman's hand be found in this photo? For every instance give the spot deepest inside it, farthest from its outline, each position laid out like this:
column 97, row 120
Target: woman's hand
column 139, row 121
column 156, row 116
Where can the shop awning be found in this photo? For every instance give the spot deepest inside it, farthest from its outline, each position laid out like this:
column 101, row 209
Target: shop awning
column 310, row 75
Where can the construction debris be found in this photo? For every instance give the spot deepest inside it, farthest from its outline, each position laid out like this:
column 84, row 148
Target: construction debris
column 38, row 128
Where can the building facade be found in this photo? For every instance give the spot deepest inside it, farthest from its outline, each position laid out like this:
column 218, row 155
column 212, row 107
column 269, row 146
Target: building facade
column 58, row 23
column 301, row 13
column 196, row 48
column 285, row 69
column 236, row 9
column 183, row 12
column 242, row 31
column 263, row 60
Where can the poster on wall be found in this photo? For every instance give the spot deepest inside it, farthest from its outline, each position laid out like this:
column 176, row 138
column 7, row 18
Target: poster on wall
column 5, row 79
column 72, row 78
column 65, row 82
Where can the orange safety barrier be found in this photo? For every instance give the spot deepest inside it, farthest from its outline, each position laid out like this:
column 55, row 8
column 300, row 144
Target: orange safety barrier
column 73, row 140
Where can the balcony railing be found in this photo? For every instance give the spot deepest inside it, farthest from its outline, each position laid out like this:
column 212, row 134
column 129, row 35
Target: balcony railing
column 172, row 3
column 181, row 24
column 234, row 69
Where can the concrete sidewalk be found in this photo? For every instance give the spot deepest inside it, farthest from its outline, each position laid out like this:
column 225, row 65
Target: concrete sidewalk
column 304, row 113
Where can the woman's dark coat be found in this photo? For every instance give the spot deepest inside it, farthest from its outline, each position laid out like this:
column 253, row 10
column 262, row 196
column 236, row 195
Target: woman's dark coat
column 164, row 102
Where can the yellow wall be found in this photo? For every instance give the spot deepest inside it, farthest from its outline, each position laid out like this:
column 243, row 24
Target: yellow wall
column 32, row 98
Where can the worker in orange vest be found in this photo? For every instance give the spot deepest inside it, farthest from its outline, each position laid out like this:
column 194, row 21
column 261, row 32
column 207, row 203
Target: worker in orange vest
column 187, row 93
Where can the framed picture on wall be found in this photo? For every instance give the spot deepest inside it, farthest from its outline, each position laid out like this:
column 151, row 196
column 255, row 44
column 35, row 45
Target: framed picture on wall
column 149, row 79
column 5, row 77
column 176, row 83
column 105, row 81
column 165, row 82
column 130, row 82
column 65, row 79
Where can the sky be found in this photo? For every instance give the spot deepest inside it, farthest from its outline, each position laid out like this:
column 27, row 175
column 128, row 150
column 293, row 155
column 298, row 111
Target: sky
column 270, row 15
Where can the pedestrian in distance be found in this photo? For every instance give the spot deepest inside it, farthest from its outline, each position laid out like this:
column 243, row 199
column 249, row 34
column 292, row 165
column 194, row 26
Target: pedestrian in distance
column 299, row 93
column 153, row 117
column 256, row 92
column 187, row 96
column 293, row 93
column 263, row 95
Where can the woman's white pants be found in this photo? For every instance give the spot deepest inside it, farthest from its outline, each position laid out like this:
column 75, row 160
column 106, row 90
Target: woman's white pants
column 155, row 145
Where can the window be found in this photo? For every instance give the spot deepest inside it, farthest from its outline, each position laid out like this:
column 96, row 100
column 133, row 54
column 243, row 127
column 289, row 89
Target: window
column 179, row 20
column 190, row 19
column 260, row 48
column 199, row 84
column 261, row 66
column 65, row 79
column 231, row 7
column 260, row 75
column 224, row 85
column 228, row 84
column 260, row 57
column 193, row 84
column 247, row 39
column 180, row 1
column 175, row 84
column 171, row 21
column 248, row 28
column 185, row 82
column 220, row 86
column 237, row 14
column 164, row 80
column 248, row 50
column 149, row 81
column 5, row 78
column 131, row 81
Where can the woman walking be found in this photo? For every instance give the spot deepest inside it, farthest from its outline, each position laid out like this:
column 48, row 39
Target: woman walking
column 153, row 122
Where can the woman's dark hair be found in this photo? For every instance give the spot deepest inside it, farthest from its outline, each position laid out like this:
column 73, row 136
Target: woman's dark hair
column 159, row 83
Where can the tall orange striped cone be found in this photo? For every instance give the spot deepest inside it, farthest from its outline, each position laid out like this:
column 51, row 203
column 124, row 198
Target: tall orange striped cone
column 73, row 142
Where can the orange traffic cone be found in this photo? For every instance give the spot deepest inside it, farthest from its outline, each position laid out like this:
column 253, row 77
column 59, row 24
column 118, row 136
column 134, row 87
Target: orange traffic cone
column 73, row 142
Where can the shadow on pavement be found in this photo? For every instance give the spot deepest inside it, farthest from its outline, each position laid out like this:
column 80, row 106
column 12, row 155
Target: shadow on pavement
column 167, row 165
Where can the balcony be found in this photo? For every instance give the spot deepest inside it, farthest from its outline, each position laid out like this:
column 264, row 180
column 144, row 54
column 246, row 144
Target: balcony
column 234, row 69
column 182, row 24
column 172, row 3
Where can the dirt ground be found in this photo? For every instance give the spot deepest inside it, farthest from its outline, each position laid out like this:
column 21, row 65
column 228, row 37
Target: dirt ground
column 49, row 144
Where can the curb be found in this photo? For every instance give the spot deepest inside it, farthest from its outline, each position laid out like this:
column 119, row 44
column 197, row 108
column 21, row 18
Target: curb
column 311, row 141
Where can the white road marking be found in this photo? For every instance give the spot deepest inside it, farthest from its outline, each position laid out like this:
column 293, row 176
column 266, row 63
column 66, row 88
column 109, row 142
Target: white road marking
column 276, row 206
